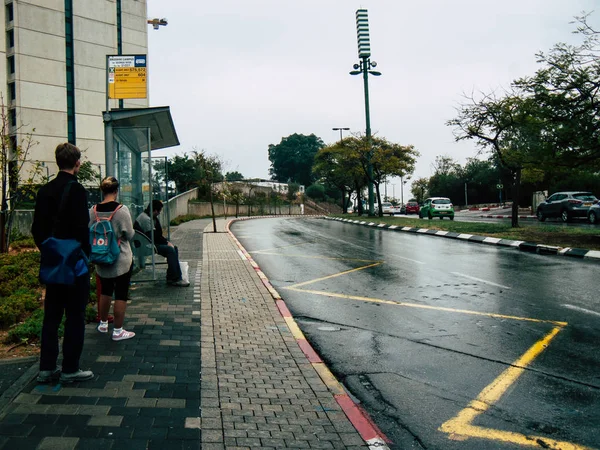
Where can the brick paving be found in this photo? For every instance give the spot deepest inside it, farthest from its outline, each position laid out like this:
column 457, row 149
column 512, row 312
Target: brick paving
column 212, row 366
column 258, row 389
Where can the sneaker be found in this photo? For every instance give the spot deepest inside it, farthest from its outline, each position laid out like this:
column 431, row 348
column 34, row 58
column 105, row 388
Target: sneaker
column 180, row 283
column 124, row 334
column 80, row 375
column 47, row 376
column 103, row 327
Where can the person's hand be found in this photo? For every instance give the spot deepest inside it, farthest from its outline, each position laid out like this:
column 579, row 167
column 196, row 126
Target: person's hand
column 170, row 245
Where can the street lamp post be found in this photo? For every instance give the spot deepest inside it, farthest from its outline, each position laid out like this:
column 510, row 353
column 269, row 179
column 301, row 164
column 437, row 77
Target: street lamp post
column 365, row 67
column 341, row 131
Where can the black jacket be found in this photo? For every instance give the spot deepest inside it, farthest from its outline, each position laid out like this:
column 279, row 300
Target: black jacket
column 73, row 223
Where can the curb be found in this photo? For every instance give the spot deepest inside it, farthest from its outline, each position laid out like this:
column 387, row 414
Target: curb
column 530, row 247
column 9, row 395
column 359, row 418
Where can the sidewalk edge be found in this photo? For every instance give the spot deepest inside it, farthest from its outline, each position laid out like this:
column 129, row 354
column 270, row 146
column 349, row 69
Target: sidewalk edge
column 359, row 418
column 15, row 389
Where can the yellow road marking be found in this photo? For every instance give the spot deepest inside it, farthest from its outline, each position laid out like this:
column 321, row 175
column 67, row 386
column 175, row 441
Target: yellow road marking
column 415, row 305
column 461, row 425
column 295, row 286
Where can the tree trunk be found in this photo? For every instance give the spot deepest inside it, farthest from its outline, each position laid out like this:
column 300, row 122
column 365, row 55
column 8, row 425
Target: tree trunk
column 516, row 180
column 212, row 209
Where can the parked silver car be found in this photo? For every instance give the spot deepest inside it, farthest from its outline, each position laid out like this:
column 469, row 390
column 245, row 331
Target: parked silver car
column 594, row 214
column 566, row 205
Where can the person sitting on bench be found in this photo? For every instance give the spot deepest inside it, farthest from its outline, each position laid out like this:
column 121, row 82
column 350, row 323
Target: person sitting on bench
column 148, row 225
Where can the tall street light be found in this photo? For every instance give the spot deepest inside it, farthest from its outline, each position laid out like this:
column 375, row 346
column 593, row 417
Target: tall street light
column 341, row 131
column 365, row 67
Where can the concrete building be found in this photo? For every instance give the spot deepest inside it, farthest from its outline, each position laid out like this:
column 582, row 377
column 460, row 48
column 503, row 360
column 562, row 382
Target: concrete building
column 53, row 69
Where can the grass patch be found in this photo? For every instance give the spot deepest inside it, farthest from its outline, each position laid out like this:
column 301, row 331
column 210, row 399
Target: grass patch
column 182, row 219
column 559, row 236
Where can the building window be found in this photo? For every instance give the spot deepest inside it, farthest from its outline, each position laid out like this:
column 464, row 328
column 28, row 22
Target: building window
column 12, row 117
column 11, row 64
column 10, row 38
column 10, row 15
column 12, row 92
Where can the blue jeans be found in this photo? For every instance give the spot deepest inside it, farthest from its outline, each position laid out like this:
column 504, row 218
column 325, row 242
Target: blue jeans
column 70, row 301
column 172, row 255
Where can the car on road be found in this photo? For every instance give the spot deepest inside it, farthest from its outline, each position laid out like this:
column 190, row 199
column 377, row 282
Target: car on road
column 593, row 214
column 566, row 205
column 386, row 208
column 437, row 207
column 412, row 208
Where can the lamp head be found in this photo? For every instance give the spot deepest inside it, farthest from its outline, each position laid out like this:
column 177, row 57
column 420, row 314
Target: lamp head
column 356, row 66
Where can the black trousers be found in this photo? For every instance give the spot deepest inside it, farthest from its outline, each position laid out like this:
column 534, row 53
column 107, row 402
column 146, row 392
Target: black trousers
column 172, row 255
column 71, row 302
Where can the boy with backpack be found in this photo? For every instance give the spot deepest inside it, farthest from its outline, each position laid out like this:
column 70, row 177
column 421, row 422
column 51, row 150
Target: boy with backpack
column 111, row 230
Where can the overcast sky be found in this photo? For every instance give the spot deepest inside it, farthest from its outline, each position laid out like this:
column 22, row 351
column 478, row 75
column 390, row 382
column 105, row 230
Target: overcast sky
column 240, row 75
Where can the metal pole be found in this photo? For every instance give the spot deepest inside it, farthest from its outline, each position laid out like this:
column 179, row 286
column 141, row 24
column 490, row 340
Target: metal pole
column 109, row 154
column 167, row 198
column 466, row 202
column 402, row 190
column 365, row 69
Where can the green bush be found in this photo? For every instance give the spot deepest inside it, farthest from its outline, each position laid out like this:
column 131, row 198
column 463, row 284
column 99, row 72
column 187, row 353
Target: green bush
column 30, row 330
column 316, row 191
column 22, row 242
column 18, row 271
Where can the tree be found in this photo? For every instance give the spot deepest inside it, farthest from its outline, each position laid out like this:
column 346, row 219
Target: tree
column 210, row 172
column 565, row 91
column 337, row 165
column 234, row 176
column 292, row 159
column 419, row 189
column 14, row 156
column 386, row 158
column 546, row 122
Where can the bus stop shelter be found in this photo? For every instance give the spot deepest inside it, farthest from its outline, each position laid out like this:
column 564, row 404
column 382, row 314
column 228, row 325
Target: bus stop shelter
column 131, row 135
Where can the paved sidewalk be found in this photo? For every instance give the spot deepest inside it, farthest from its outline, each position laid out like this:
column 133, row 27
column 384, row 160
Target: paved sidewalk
column 259, row 390
column 146, row 391
column 213, row 366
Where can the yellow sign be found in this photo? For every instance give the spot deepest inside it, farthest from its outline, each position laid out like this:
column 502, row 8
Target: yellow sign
column 127, row 76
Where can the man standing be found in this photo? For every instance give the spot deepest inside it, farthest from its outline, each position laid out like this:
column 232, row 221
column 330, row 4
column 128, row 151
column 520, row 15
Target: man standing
column 164, row 248
column 71, row 223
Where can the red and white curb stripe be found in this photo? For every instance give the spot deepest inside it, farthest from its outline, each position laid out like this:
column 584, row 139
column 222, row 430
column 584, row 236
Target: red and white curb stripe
column 359, row 418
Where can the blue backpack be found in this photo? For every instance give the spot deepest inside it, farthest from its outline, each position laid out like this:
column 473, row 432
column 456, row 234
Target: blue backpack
column 104, row 244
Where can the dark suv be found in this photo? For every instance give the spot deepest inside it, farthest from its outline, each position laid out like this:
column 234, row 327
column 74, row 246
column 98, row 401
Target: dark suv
column 566, row 205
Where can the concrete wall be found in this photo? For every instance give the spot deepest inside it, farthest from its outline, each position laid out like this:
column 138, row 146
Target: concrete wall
column 203, row 209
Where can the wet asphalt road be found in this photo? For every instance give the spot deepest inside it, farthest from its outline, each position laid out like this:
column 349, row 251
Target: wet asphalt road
column 418, row 327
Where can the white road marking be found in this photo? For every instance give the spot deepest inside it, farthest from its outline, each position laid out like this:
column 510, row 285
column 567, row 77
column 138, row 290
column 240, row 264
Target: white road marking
column 577, row 308
column 479, row 279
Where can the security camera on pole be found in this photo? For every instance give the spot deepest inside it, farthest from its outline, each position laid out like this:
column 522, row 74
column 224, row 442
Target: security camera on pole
column 364, row 67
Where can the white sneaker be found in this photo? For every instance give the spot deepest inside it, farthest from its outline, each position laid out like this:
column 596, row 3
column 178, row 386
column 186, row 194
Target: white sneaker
column 103, row 327
column 124, row 334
